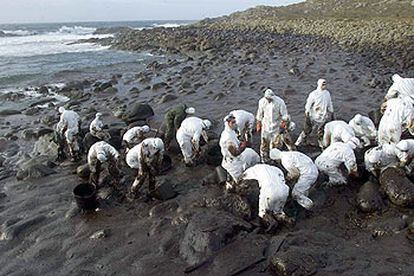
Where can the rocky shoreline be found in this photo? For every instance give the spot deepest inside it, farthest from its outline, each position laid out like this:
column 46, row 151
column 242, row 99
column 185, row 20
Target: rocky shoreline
column 200, row 231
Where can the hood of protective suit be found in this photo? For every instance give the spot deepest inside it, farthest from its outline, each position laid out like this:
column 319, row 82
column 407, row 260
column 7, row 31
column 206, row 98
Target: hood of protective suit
column 206, row 124
column 101, row 157
column 158, row 144
column 320, row 82
column 269, row 93
column 61, row 109
column 374, row 156
column 98, row 115
column 402, row 86
column 190, row 110
column 145, row 128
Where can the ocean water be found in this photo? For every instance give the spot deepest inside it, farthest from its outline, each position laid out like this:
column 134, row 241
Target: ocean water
column 38, row 54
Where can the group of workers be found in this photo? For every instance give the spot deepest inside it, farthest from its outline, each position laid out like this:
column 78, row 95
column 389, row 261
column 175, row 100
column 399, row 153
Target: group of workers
column 337, row 139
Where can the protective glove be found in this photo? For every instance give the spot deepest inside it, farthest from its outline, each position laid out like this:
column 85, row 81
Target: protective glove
column 258, row 126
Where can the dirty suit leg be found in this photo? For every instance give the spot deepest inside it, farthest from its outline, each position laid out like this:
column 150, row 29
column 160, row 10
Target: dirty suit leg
column 334, row 173
column 307, row 130
column 95, row 169
column 286, row 139
column 273, row 201
column 186, row 147
column 169, row 132
column 139, row 180
column 72, row 140
column 269, row 141
column 300, row 191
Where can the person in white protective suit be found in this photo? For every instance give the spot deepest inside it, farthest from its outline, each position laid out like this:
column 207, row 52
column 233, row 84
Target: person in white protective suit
column 379, row 158
column 134, row 136
column 245, row 124
column 398, row 116
column 364, row 129
column 405, row 152
column 272, row 121
column 146, row 158
column 337, row 131
column 300, row 169
column 318, row 111
column 67, row 130
column 102, row 153
column 331, row 159
column 96, row 128
column 273, row 191
column 401, row 87
column 188, row 137
column 236, row 156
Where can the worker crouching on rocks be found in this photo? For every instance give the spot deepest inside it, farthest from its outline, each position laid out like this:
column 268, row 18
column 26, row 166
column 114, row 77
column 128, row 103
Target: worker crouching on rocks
column 300, row 169
column 96, row 128
column 99, row 154
column 67, row 131
column 273, row 193
column 236, row 156
column 188, row 138
column 134, row 136
column 147, row 158
column 173, row 119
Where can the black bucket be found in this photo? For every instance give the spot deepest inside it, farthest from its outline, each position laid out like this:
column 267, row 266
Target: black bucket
column 85, row 196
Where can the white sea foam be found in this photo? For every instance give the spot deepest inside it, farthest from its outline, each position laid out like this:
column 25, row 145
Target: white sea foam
column 49, row 43
column 168, row 25
column 19, row 32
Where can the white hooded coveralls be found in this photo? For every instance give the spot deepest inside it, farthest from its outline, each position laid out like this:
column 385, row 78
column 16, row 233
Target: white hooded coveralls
column 398, row 116
column 319, row 109
column 401, row 87
column 270, row 114
column 245, row 123
column 319, row 105
column 273, row 189
column 96, row 128
column 363, row 128
column 68, row 127
column 405, row 151
column 102, row 150
column 188, row 137
column 142, row 158
column 135, row 134
column 235, row 165
column 336, row 131
column 300, row 167
column 332, row 157
column 378, row 158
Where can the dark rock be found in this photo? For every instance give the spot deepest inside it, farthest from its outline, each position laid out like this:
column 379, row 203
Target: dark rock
column 213, row 153
column 88, row 141
column 45, row 146
column 12, row 229
column 369, row 198
column 27, row 134
column 31, row 111
column 167, row 98
column 32, row 169
column 207, row 232
column 43, row 90
column 137, row 112
column 7, row 112
column 231, row 203
column 134, row 90
column 160, row 210
column 164, row 190
column 219, row 96
column 160, row 85
column 398, row 188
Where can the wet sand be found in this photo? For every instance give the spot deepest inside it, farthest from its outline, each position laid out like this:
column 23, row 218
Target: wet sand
column 41, row 235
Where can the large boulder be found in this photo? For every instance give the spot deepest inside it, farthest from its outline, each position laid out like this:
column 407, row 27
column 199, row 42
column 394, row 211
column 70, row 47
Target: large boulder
column 137, row 112
column 32, row 169
column 207, row 232
column 45, row 146
column 369, row 198
column 398, row 188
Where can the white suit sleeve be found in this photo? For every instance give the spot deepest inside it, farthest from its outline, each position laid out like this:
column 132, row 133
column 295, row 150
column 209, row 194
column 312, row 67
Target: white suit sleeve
column 260, row 111
column 283, row 111
column 196, row 138
column 350, row 161
column 330, row 106
column 309, row 102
